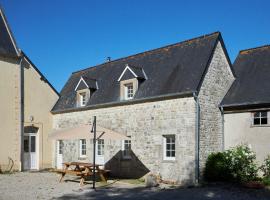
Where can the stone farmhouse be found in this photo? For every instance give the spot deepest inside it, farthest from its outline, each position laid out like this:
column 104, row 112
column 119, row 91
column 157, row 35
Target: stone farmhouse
column 166, row 100
column 26, row 101
column 176, row 105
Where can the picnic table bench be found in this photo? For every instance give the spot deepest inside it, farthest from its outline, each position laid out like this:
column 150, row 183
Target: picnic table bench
column 81, row 169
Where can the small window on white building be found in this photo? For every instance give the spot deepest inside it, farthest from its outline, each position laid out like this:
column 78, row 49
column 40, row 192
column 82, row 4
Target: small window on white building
column 126, row 149
column 129, row 91
column 260, row 118
column 82, row 148
column 169, row 147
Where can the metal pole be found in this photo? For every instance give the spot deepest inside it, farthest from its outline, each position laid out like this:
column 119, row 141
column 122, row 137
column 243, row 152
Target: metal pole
column 94, row 155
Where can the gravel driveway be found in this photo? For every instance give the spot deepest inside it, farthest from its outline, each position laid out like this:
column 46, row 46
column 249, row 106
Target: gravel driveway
column 44, row 185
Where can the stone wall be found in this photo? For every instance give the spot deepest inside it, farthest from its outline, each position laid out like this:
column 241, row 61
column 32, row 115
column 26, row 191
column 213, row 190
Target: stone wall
column 146, row 123
column 217, row 81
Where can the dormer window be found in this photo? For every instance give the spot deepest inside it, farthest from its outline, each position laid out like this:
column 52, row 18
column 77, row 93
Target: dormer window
column 82, row 96
column 85, row 89
column 129, row 92
column 129, row 80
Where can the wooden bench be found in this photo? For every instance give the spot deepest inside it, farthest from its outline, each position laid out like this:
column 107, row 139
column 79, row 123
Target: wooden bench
column 83, row 170
column 82, row 174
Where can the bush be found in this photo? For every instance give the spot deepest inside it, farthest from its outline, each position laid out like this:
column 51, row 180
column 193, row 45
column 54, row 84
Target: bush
column 266, row 181
column 216, row 168
column 266, row 167
column 237, row 164
column 241, row 162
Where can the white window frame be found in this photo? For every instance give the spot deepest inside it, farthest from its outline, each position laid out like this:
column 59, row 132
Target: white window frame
column 165, row 157
column 83, row 98
column 82, row 147
column 101, row 145
column 260, row 118
column 127, row 91
column 124, row 150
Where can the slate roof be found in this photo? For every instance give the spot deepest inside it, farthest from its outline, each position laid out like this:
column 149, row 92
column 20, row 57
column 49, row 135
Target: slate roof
column 173, row 69
column 251, row 89
column 7, row 46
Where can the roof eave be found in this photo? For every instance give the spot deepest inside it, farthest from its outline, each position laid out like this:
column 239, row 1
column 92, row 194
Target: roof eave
column 129, row 102
column 245, row 107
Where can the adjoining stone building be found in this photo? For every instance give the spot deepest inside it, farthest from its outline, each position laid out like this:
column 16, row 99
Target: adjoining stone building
column 246, row 105
column 166, row 100
column 26, row 101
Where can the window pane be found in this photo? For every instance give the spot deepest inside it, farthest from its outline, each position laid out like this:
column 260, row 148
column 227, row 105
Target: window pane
column 256, row 121
column 61, row 146
column 257, row 114
column 33, row 144
column 26, row 144
column 263, row 114
column 170, row 146
column 263, row 120
column 83, row 147
column 127, row 148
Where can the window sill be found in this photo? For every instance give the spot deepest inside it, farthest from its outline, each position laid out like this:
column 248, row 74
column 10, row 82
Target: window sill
column 82, row 158
column 264, row 125
column 168, row 161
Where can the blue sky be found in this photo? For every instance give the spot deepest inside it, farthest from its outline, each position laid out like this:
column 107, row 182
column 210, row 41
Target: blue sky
column 62, row 36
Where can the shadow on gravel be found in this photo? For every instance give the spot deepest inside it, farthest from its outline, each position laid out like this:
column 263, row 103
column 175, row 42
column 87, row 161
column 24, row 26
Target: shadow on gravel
column 223, row 192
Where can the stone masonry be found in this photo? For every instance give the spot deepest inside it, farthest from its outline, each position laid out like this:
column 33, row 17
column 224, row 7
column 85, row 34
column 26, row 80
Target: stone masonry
column 216, row 83
column 145, row 123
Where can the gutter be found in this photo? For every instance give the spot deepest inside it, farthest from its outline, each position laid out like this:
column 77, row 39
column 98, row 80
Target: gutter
column 197, row 139
column 21, row 117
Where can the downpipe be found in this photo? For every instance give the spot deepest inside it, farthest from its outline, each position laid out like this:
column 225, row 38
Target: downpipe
column 197, row 139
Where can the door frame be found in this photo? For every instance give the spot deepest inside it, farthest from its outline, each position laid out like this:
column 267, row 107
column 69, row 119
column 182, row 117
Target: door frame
column 37, row 150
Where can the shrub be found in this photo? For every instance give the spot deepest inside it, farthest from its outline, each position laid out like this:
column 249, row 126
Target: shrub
column 216, row 168
column 265, row 168
column 237, row 164
column 241, row 163
column 266, row 181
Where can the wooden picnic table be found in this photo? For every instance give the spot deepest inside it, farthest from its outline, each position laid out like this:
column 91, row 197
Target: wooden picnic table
column 81, row 169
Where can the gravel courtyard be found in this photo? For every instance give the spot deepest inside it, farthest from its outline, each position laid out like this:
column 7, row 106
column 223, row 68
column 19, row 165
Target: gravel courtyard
column 44, row 185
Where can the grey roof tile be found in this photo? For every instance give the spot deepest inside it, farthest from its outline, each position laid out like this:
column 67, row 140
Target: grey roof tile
column 252, row 85
column 176, row 68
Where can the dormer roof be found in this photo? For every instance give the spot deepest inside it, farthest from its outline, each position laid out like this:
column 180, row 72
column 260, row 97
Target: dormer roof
column 86, row 82
column 132, row 72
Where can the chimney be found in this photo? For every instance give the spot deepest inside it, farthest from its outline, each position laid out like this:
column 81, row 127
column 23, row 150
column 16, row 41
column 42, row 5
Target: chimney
column 108, row 59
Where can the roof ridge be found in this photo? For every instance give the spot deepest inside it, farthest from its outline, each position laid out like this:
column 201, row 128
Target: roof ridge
column 152, row 50
column 245, row 51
